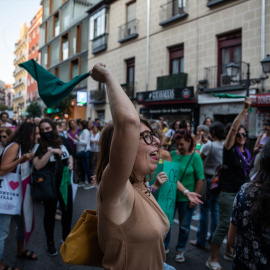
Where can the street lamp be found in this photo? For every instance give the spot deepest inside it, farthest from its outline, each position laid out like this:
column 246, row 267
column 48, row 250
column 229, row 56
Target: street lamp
column 233, row 69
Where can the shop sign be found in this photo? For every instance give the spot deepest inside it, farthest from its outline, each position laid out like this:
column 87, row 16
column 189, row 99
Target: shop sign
column 164, row 110
column 260, row 99
column 166, row 95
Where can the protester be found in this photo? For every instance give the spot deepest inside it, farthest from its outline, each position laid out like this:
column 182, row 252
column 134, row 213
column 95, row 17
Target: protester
column 237, row 159
column 5, row 134
column 54, row 153
column 130, row 222
column 168, row 141
column 94, row 148
column 211, row 154
column 207, row 121
column 23, row 139
column 249, row 231
column 4, row 117
column 201, row 136
column 71, row 134
column 82, row 154
column 260, row 142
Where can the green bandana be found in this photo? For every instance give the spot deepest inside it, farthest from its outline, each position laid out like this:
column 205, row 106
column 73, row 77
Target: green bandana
column 65, row 182
column 50, row 88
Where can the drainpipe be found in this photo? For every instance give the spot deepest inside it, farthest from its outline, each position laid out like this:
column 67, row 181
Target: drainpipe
column 147, row 45
column 262, row 38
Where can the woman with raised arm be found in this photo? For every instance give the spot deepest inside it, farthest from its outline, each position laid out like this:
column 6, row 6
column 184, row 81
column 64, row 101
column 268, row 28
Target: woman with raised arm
column 237, row 159
column 131, row 225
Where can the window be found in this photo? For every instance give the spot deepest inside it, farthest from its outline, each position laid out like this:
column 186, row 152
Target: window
column 229, row 49
column 28, row 82
column 56, row 25
column 56, row 72
column 37, row 45
column 130, row 71
column 32, row 80
column 74, row 68
column 178, row 7
column 34, row 34
column 30, row 38
column 33, row 49
column 176, row 59
column 49, row 55
column 29, row 52
column 97, row 24
column 46, row 31
column 131, row 11
column 64, row 47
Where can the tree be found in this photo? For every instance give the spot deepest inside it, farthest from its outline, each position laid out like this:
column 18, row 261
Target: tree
column 64, row 106
column 34, row 109
column 3, row 107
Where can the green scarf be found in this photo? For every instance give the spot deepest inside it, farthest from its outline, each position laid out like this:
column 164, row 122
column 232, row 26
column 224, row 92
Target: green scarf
column 226, row 95
column 50, row 88
column 65, row 182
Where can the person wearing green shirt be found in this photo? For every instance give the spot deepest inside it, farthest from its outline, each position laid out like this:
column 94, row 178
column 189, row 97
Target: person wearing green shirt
column 192, row 177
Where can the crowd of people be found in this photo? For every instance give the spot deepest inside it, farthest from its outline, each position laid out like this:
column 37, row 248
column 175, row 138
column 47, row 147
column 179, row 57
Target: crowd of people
column 133, row 231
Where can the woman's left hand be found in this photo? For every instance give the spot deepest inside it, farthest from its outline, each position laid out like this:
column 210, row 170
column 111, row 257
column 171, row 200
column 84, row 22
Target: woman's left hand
column 193, row 199
column 161, row 178
column 70, row 166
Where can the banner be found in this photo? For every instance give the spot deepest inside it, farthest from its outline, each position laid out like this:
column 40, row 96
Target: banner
column 27, row 202
column 166, row 195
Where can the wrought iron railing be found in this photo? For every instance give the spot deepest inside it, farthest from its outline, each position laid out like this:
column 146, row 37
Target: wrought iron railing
column 129, row 89
column 216, row 76
column 171, row 9
column 99, row 43
column 128, row 30
column 172, row 81
column 97, row 96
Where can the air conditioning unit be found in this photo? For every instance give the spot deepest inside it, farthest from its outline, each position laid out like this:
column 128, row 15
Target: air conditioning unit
column 225, row 80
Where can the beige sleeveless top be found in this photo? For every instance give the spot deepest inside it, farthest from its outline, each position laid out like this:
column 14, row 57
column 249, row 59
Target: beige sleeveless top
column 138, row 242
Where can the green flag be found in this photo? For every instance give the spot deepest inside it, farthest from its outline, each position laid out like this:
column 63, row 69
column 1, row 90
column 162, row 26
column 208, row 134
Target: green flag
column 65, row 182
column 50, row 88
column 226, row 95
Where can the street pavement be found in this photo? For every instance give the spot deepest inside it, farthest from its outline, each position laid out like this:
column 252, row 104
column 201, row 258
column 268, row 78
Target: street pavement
column 86, row 199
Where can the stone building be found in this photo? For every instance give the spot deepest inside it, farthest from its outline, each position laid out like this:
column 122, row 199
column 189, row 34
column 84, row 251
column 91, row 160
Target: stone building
column 170, row 55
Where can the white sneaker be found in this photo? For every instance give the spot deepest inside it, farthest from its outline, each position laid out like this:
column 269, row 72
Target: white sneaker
column 81, row 184
column 88, row 186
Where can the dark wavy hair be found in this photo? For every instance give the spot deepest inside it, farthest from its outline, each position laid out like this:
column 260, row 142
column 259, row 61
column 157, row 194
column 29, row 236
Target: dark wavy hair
column 173, row 124
column 54, row 142
column 217, row 129
column 184, row 134
column 105, row 145
column 84, row 124
column 261, row 207
column 25, row 136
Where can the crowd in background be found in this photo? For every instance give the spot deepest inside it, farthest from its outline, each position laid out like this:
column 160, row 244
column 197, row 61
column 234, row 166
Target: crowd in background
column 75, row 144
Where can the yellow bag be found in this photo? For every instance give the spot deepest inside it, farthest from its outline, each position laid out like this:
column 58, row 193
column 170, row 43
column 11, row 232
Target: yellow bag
column 81, row 246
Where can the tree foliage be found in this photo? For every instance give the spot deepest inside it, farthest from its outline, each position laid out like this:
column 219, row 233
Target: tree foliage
column 34, row 109
column 64, row 106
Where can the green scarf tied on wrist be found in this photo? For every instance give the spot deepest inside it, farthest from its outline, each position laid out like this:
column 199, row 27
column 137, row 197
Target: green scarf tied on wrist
column 50, row 88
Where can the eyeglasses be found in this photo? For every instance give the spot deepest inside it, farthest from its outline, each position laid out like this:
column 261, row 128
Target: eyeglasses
column 239, row 135
column 148, row 136
column 4, row 137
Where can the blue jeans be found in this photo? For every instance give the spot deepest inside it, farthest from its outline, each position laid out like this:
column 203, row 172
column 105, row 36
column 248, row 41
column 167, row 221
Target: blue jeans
column 185, row 216
column 210, row 205
column 4, row 230
column 84, row 160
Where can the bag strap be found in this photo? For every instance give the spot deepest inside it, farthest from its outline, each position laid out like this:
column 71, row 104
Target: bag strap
column 186, row 167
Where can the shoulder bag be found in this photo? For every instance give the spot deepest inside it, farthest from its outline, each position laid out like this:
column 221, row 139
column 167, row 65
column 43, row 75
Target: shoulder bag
column 81, row 246
column 182, row 177
column 43, row 184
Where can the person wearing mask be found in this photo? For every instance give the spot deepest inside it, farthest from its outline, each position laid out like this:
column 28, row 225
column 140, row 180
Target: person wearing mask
column 4, row 118
column 131, row 225
column 249, row 232
column 260, row 142
column 237, row 159
column 82, row 154
column 211, row 154
column 191, row 177
column 23, row 139
column 5, row 134
column 54, row 153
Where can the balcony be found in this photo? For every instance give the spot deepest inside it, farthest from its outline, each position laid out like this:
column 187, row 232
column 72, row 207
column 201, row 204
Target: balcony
column 19, row 82
column 216, row 79
column 213, row 3
column 128, row 31
column 17, row 70
column 172, row 11
column 129, row 89
column 172, row 81
column 97, row 96
column 20, row 94
column 99, row 44
column 19, row 56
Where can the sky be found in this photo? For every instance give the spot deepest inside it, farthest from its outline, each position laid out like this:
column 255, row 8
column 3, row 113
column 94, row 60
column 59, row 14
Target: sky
column 12, row 14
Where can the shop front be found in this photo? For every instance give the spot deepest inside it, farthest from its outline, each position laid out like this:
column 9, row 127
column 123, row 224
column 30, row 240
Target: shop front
column 171, row 104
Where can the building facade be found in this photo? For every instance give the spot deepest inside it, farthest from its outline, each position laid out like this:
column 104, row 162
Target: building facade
column 170, row 55
column 64, row 42
column 3, row 87
column 33, row 53
column 9, row 94
column 20, row 75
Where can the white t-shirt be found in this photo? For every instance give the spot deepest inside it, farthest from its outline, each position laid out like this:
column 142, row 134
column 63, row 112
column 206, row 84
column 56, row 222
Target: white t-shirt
column 7, row 124
column 94, row 146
